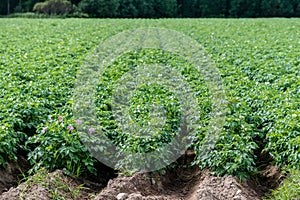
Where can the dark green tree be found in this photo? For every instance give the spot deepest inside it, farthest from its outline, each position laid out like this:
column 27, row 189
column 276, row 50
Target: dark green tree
column 146, row 8
column 245, row 8
column 165, row 8
column 128, row 9
column 296, row 7
column 75, row 2
column 170, row 8
column 7, row 6
column 99, row 8
column 28, row 5
column 186, row 8
column 54, row 7
column 277, row 8
column 208, row 8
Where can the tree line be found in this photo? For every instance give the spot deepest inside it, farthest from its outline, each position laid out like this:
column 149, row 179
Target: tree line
column 155, row 8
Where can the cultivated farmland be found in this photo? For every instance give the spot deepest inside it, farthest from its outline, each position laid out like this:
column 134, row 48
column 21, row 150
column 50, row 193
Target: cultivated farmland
column 258, row 61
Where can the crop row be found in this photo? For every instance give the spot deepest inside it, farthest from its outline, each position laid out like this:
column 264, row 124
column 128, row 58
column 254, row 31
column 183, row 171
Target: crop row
column 258, row 60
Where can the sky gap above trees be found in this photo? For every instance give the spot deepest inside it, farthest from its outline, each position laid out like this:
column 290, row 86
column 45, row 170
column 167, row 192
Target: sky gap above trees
column 156, row 8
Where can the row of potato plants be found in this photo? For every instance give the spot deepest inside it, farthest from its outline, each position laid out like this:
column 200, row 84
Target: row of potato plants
column 258, row 61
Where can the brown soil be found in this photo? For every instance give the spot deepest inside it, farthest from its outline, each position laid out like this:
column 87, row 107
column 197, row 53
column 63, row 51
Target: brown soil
column 177, row 184
column 47, row 186
column 184, row 184
column 12, row 173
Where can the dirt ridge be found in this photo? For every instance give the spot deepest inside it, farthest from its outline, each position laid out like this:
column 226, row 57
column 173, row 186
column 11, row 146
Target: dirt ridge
column 185, row 183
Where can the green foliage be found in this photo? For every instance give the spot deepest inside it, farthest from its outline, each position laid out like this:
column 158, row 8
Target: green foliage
column 54, row 7
column 284, row 139
column 262, row 85
column 128, row 8
column 9, row 140
column 277, row 8
column 27, row 15
column 234, row 152
column 167, row 8
column 99, row 8
column 257, row 60
column 208, row 8
column 147, row 9
column 159, row 8
column 289, row 188
column 145, row 98
column 245, row 8
column 57, row 145
column 36, row 79
column 58, row 186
